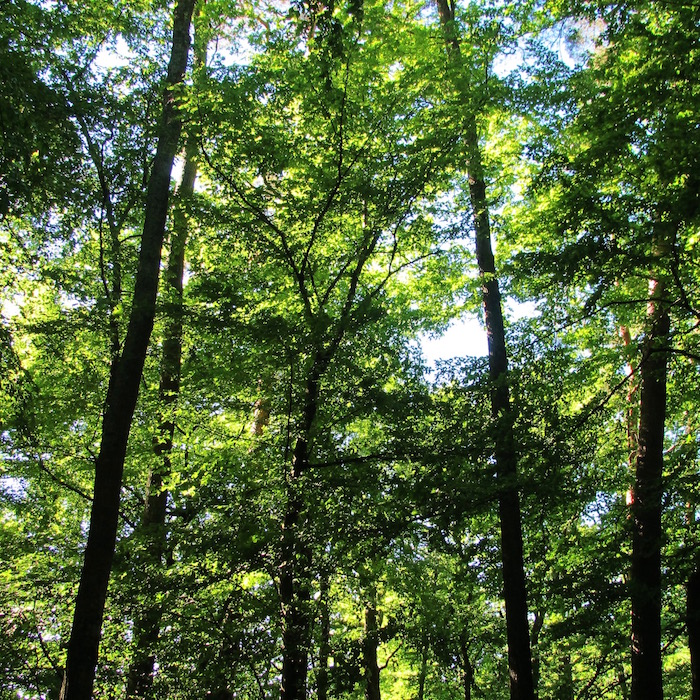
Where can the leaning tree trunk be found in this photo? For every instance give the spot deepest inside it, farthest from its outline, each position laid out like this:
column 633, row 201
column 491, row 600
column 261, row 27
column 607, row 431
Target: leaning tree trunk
column 514, row 589
column 123, row 388
column 147, row 623
column 645, row 575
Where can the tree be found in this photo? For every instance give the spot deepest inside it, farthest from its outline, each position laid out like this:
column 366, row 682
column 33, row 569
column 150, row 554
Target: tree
column 625, row 198
column 122, row 392
column 505, row 455
column 335, row 199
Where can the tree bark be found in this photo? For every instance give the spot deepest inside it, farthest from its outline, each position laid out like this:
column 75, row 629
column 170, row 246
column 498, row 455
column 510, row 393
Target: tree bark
column 295, row 568
column 325, row 641
column 693, row 627
column 122, row 392
column 514, row 588
column 147, row 625
column 370, row 644
column 467, row 671
column 645, row 575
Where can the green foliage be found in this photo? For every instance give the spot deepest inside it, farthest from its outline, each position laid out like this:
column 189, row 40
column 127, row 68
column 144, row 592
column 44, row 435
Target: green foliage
column 327, row 235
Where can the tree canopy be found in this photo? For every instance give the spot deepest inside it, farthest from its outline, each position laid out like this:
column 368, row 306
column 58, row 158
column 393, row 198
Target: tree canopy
column 226, row 232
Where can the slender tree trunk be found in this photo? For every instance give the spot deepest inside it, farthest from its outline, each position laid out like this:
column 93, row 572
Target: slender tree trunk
column 537, row 624
column 423, row 673
column 370, row 644
column 514, row 588
column 325, row 641
column 693, row 626
column 147, row 624
column 645, row 576
column 123, row 389
column 467, row 671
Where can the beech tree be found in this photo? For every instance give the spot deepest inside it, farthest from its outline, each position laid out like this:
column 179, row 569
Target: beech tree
column 283, row 498
column 505, row 454
column 615, row 190
column 122, row 391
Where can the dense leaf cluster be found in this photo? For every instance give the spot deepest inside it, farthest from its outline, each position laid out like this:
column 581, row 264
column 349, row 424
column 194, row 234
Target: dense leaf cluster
column 311, row 464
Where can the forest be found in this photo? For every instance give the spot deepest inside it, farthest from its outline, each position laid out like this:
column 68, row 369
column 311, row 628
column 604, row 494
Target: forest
column 228, row 232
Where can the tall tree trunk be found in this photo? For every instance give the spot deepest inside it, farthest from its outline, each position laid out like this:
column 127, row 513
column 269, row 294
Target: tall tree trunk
column 693, row 626
column 467, row 670
column 325, row 641
column 370, row 644
column 147, row 624
column 295, row 567
column 123, row 388
column 423, row 673
column 645, row 575
column 537, row 625
column 514, row 589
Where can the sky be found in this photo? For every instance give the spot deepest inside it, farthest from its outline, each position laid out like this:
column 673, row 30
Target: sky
column 463, row 337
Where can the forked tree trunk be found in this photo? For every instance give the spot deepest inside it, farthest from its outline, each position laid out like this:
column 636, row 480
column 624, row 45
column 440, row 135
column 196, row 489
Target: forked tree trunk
column 514, row 589
column 123, row 388
column 295, row 550
column 147, row 623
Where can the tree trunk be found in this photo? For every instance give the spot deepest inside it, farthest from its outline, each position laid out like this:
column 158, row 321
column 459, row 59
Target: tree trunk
column 122, row 391
column 295, row 568
column 423, row 673
column 566, row 685
column 370, row 644
column 537, row 625
column 693, row 626
column 467, row 671
column 295, row 599
column 325, row 641
column 147, row 625
column 645, row 576
column 514, row 589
